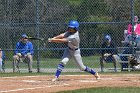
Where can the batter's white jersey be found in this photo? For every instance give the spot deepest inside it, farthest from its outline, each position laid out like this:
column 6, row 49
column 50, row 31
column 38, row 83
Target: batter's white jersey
column 73, row 49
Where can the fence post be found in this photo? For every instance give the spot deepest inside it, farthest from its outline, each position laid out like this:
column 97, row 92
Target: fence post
column 37, row 34
column 132, row 22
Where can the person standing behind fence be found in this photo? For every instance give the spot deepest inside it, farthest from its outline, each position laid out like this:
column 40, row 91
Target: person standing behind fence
column 23, row 51
column 136, row 27
column 71, row 37
column 108, row 53
column 135, row 40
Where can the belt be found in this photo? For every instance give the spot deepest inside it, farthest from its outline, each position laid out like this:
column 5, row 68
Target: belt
column 73, row 49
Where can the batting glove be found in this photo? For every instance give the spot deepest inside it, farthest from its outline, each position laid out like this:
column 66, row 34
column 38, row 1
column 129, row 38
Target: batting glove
column 49, row 39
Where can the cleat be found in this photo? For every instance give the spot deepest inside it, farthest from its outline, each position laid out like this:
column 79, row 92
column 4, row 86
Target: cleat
column 55, row 79
column 97, row 76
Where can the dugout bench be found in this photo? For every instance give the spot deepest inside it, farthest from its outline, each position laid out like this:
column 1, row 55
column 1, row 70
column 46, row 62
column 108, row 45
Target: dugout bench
column 120, row 61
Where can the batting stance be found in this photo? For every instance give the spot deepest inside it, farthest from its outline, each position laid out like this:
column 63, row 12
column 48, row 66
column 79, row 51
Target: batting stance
column 23, row 52
column 71, row 37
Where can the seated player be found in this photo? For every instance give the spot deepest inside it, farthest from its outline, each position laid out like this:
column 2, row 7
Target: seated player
column 108, row 53
column 24, row 50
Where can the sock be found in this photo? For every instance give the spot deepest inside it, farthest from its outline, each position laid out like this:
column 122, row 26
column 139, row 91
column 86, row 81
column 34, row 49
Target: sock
column 90, row 70
column 60, row 67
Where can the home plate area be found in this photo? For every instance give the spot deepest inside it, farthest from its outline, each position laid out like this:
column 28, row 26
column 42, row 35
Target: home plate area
column 43, row 84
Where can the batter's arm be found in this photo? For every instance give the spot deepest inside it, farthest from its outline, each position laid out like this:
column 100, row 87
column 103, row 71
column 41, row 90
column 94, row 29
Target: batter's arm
column 58, row 40
column 59, row 36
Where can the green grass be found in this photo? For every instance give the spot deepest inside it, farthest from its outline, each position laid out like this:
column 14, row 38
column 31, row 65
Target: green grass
column 52, row 62
column 10, row 74
column 106, row 90
column 91, row 61
column 75, row 2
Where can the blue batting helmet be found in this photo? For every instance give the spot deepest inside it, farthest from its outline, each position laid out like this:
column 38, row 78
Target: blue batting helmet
column 24, row 36
column 73, row 24
column 108, row 37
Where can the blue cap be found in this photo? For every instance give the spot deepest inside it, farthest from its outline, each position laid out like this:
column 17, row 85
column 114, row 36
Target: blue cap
column 24, row 36
column 107, row 37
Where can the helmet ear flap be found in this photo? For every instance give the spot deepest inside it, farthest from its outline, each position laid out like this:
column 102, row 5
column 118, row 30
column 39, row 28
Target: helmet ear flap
column 76, row 29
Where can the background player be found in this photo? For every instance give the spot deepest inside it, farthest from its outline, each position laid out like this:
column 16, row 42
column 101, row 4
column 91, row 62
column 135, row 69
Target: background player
column 24, row 50
column 71, row 36
column 108, row 52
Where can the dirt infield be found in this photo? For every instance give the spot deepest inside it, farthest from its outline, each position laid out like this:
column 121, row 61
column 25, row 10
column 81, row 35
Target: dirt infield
column 43, row 84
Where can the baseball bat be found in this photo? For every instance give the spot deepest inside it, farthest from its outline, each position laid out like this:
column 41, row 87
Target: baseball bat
column 35, row 38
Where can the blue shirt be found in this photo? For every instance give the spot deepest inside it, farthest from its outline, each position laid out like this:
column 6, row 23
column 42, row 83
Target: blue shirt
column 3, row 55
column 108, row 49
column 24, row 48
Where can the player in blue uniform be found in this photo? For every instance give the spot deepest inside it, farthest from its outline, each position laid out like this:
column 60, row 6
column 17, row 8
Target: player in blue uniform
column 24, row 50
column 108, row 52
column 71, row 37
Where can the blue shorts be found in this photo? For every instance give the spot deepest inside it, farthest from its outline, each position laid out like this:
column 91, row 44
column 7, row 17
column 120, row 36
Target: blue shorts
column 109, row 59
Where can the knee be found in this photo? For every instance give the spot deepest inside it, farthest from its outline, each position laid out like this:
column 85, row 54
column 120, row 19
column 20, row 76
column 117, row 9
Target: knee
column 15, row 57
column 115, row 57
column 65, row 60
column 29, row 57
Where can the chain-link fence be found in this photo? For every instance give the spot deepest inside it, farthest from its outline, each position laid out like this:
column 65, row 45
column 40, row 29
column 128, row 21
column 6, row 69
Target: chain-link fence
column 47, row 18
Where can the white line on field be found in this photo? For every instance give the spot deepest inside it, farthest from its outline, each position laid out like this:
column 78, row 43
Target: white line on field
column 106, row 78
column 30, row 81
column 44, row 75
column 76, row 75
column 20, row 89
column 85, row 81
column 20, row 76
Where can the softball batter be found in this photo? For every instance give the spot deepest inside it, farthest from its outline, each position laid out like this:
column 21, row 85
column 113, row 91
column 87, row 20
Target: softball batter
column 71, row 37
